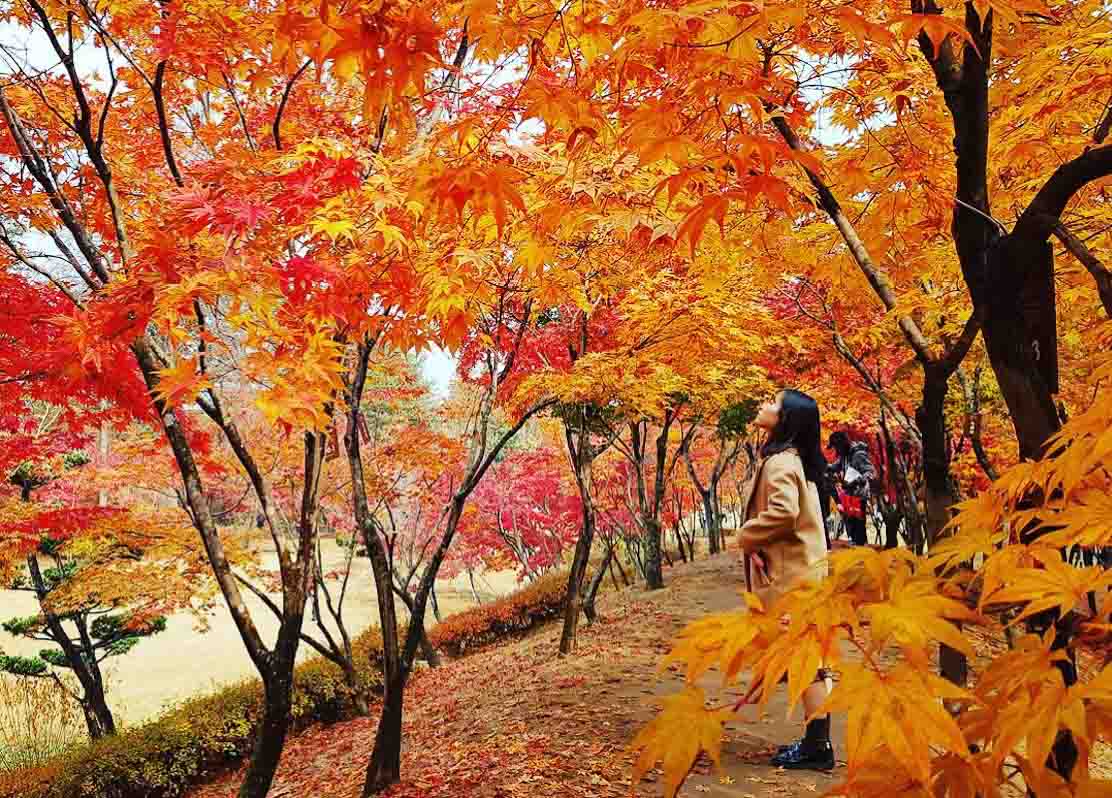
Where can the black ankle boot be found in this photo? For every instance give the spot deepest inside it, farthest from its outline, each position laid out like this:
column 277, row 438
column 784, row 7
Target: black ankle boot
column 806, row 756
column 813, row 752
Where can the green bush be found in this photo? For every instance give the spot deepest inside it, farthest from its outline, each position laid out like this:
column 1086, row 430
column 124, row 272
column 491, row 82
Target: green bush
column 201, row 737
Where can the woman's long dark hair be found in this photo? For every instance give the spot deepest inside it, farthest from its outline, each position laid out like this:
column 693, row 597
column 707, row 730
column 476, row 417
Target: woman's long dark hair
column 799, row 428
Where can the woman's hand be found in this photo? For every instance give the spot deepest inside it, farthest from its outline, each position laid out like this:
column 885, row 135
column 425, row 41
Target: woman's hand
column 758, row 564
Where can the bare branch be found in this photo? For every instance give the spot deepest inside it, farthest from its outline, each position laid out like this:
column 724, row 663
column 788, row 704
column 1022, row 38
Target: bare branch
column 872, row 272
column 1100, row 272
column 26, row 261
column 239, row 111
column 108, row 97
column 38, row 168
column 276, row 128
column 163, row 125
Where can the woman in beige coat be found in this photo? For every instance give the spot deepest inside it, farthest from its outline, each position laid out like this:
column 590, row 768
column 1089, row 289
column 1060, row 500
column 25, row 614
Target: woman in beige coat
column 785, row 543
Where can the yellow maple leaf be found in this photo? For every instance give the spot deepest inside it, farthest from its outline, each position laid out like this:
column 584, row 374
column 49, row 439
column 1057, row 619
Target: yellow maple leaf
column 675, row 737
column 1054, row 585
column 916, row 615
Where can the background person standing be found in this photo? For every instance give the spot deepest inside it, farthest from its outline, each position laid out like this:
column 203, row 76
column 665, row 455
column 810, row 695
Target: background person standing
column 852, row 475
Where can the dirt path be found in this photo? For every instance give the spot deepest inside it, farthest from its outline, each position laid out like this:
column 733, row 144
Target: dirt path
column 519, row 721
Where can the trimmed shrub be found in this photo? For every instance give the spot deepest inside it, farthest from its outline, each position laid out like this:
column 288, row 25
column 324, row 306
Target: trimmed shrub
column 507, row 617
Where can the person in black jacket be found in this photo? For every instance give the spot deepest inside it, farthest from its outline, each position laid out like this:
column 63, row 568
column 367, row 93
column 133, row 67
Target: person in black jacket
column 852, row 475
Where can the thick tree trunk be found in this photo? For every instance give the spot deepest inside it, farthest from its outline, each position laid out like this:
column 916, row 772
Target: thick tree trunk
column 271, row 738
column 1021, row 341
column 98, row 717
column 385, row 766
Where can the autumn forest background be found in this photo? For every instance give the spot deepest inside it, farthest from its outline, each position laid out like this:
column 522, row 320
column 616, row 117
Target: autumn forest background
column 377, row 386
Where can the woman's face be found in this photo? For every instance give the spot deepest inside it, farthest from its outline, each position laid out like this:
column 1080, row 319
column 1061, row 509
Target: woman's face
column 769, row 415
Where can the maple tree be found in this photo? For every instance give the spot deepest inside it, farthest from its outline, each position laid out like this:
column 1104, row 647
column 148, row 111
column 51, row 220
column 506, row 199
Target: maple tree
column 526, row 514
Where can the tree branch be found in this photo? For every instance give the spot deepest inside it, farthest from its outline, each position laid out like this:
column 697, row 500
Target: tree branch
column 239, row 111
column 872, row 272
column 847, row 354
column 35, row 164
column 276, row 128
column 1090, row 261
column 25, row 260
column 496, row 449
column 1104, row 127
column 1040, row 217
column 960, row 348
column 163, row 125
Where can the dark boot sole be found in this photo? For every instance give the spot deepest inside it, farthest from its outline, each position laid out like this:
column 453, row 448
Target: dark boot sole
column 822, row 767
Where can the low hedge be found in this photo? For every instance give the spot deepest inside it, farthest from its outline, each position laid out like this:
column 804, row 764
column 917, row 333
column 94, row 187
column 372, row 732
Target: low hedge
column 507, row 617
column 193, row 741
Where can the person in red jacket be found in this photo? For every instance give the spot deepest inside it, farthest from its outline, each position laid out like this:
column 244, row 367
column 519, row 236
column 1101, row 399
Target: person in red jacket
column 852, row 475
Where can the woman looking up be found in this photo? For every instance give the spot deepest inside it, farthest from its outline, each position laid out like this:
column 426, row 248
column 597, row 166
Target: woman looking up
column 784, row 540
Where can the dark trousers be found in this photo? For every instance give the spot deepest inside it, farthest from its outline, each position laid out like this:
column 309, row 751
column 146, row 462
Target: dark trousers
column 856, row 529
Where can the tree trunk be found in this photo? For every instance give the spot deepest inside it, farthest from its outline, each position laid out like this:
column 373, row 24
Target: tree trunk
column 582, row 459
column 573, row 600
column 714, row 541
column 1022, row 355
column 428, row 650
column 930, row 418
column 892, row 529
column 654, row 565
column 271, row 737
column 359, row 694
column 385, row 766
column 98, row 717
column 618, row 562
column 592, row 588
column 436, row 604
column 474, row 590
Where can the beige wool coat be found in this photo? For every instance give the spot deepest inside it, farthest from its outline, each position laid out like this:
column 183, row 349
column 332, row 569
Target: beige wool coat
column 783, row 523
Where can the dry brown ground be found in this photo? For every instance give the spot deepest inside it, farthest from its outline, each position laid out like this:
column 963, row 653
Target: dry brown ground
column 518, row 720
